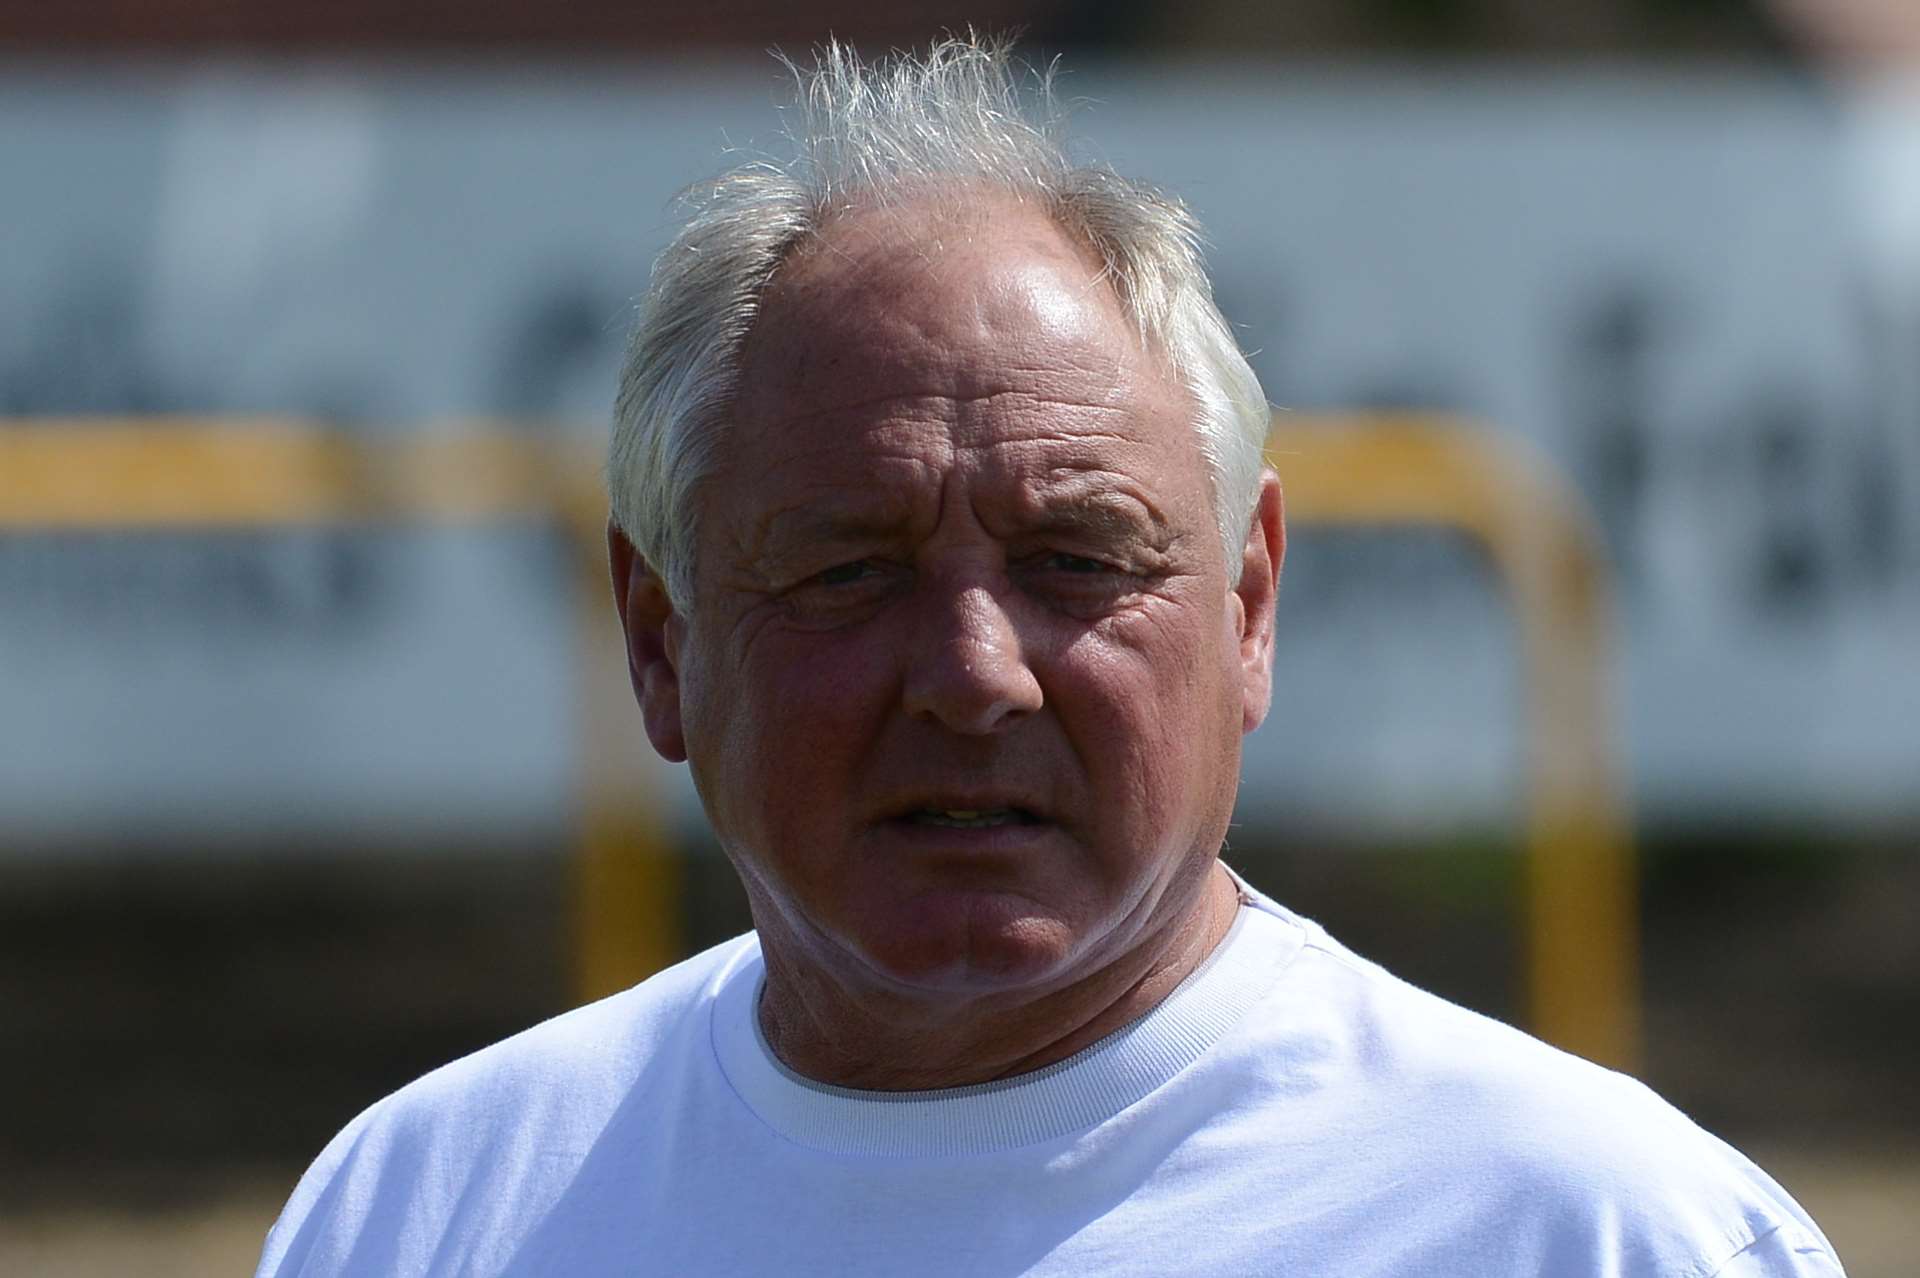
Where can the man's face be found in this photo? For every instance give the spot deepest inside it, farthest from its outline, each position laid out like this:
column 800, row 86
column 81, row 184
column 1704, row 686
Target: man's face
column 963, row 677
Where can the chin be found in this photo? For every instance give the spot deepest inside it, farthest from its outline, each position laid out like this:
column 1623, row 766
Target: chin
column 970, row 942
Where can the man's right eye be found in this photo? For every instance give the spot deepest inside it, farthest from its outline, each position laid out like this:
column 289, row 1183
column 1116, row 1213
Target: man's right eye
column 847, row 573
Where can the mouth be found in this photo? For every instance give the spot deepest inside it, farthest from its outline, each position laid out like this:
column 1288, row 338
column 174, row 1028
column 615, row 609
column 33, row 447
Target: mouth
column 969, row 818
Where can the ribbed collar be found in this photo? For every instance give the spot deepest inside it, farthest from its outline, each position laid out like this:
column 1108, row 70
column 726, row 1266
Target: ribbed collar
column 1079, row 1092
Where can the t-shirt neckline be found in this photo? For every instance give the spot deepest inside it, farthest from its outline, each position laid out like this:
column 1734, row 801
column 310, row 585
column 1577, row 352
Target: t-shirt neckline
column 1071, row 1095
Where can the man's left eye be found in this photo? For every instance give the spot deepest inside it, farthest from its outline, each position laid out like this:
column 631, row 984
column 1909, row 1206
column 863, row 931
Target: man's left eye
column 1062, row 562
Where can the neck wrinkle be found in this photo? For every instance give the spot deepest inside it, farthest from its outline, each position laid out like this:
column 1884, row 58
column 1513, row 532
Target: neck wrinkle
column 807, row 1044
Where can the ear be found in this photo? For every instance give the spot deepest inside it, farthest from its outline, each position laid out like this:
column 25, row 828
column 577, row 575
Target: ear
column 653, row 631
column 1258, row 588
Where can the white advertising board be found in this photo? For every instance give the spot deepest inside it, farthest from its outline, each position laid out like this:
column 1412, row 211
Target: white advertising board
column 1687, row 292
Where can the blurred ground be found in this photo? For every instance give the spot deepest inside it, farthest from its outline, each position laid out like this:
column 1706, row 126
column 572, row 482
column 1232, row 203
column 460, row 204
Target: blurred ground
column 216, row 1235
column 1863, row 1201
column 187, row 1034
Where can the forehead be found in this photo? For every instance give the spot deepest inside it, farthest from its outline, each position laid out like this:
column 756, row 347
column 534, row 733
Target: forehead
column 959, row 299
column 985, row 325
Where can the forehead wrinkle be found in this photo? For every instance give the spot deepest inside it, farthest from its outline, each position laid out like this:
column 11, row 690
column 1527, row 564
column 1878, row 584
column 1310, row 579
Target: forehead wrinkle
column 871, row 419
column 883, row 440
column 915, row 407
column 836, row 511
column 1023, row 420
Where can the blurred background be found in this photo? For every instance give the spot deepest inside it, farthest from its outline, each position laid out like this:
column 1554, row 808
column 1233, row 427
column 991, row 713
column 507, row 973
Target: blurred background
column 302, row 795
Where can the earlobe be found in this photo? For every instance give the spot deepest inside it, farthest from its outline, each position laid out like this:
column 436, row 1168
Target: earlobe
column 650, row 625
column 1258, row 591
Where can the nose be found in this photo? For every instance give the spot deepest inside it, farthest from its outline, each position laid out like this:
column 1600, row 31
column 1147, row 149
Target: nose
column 966, row 668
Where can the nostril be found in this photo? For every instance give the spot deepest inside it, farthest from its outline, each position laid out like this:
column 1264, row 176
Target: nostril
column 972, row 695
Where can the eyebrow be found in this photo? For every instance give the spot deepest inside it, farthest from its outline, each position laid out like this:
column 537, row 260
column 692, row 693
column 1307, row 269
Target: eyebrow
column 1104, row 515
column 1104, row 512
column 1099, row 512
column 804, row 525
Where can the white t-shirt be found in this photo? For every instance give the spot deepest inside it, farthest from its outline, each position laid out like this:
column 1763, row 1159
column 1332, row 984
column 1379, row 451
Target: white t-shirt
column 1290, row 1109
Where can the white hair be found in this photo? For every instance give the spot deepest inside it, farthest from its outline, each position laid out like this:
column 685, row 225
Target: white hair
column 865, row 134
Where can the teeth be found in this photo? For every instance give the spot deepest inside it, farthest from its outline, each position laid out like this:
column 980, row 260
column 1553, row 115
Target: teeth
column 966, row 818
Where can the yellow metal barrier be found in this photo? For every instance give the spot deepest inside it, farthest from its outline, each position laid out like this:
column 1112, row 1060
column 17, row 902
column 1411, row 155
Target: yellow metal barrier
column 183, row 472
column 1580, row 893
column 1400, row 471
column 188, row 473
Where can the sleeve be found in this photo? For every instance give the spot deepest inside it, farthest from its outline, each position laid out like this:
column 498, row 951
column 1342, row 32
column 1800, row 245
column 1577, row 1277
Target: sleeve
column 360, row 1208
column 1786, row 1252
column 291, row 1241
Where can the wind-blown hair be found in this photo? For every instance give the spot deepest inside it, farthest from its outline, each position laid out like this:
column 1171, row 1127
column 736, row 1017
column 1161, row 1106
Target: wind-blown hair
column 871, row 133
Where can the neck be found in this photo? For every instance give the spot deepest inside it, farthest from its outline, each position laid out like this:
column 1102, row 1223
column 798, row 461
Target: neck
column 824, row 1032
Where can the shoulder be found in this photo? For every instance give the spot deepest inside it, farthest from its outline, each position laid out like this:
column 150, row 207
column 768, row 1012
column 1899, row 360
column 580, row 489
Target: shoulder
column 495, row 1126
column 1531, row 1151
column 558, row 1069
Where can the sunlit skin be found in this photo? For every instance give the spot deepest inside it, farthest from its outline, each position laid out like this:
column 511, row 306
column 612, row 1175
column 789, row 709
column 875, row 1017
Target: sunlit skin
column 964, row 675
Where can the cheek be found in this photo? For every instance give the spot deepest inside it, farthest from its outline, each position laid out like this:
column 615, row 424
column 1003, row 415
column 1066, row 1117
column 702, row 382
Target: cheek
column 784, row 719
column 1166, row 720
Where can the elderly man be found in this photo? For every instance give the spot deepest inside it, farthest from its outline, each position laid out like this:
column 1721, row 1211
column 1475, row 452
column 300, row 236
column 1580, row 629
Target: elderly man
column 946, row 557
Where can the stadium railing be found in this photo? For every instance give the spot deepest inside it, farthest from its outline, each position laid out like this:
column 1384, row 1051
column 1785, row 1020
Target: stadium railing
column 1580, row 912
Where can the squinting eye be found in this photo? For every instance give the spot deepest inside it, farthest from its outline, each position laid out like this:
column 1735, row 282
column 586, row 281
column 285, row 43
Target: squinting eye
column 1075, row 563
column 845, row 574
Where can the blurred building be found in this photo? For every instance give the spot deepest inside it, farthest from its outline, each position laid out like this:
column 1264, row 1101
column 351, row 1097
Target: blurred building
column 1237, row 27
